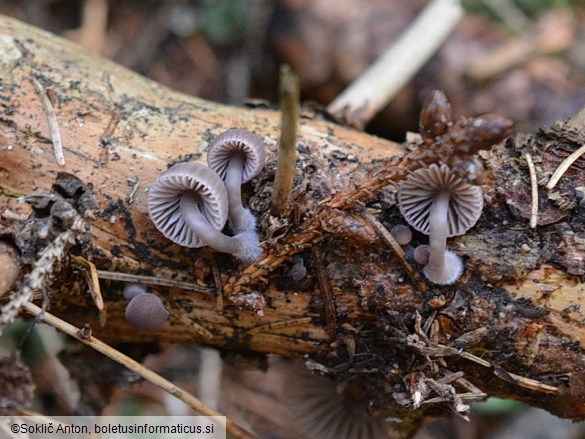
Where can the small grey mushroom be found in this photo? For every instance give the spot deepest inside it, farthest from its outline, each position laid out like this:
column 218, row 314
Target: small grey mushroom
column 189, row 205
column 438, row 203
column 421, row 254
column 298, row 271
column 146, row 311
column 133, row 290
column 402, row 234
column 237, row 156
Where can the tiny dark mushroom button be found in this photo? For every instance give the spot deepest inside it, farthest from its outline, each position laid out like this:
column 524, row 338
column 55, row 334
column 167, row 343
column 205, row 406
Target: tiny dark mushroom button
column 402, row 234
column 438, row 203
column 133, row 290
column 421, row 254
column 145, row 312
column 189, row 205
column 237, row 156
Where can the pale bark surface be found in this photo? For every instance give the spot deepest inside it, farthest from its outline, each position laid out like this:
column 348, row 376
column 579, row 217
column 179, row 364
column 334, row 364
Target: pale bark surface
column 518, row 306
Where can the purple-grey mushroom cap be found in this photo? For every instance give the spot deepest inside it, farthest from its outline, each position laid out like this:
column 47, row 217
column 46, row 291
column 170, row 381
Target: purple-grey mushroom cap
column 133, row 290
column 146, row 312
column 402, row 234
column 165, row 195
column 418, row 190
column 438, row 203
column 234, row 141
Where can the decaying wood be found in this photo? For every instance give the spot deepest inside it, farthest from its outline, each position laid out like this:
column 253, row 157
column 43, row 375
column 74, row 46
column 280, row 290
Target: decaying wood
column 512, row 324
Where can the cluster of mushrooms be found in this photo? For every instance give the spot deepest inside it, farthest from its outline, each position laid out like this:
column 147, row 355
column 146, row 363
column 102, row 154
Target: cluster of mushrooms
column 440, row 204
column 190, row 203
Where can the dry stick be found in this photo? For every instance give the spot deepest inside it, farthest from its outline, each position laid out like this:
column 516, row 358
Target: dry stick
column 152, row 280
column 534, row 188
column 94, row 22
column 93, row 283
column 287, row 147
column 527, row 383
column 218, row 288
column 420, row 285
column 326, row 294
column 135, row 367
column 566, row 164
column 372, row 91
column 53, row 124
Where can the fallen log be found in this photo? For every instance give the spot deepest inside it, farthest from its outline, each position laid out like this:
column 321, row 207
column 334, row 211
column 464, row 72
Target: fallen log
column 512, row 324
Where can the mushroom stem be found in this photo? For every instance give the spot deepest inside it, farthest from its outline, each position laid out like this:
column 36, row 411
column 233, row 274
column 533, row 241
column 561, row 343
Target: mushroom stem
column 243, row 246
column 438, row 233
column 444, row 267
column 241, row 218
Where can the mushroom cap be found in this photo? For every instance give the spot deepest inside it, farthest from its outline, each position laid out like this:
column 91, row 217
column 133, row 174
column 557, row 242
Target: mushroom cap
column 164, row 199
column 421, row 254
column 320, row 411
column 133, row 290
column 418, row 190
column 236, row 140
column 146, row 312
column 402, row 234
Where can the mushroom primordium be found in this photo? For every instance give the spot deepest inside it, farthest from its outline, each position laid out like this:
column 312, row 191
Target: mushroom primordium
column 421, row 254
column 189, row 205
column 438, row 203
column 237, row 156
column 146, row 311
column 402, row 234
column 320, row 411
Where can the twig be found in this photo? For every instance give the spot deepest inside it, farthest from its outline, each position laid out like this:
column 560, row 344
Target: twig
column 372, row 91
column 135, row 367
column 566, row 164
column 152, row 280
column 527, row 383
column 326, row 294
column 534, row 189
column 218, row 284
column 94, row 22
column 53, row 124
column 134, row 182
column 420, row 285
column 93, row 283
column 287, row 147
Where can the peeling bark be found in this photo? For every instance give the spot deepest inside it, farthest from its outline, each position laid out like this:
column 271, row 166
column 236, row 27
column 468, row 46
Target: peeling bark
column 512, row 324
